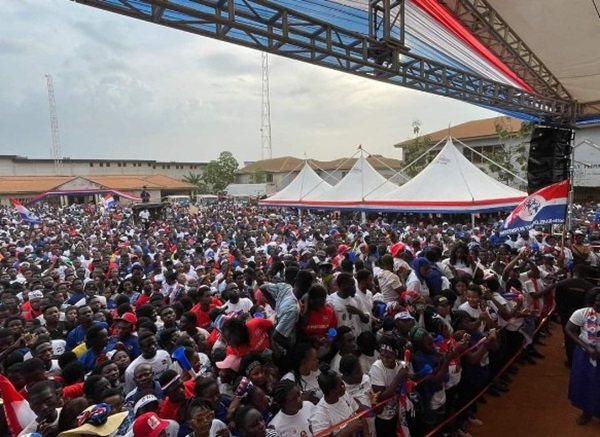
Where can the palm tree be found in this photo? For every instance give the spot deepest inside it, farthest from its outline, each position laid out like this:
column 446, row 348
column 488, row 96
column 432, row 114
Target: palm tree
column 194, row 179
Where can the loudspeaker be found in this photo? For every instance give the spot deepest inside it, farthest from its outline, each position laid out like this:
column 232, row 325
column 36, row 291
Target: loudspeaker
column 549, row 157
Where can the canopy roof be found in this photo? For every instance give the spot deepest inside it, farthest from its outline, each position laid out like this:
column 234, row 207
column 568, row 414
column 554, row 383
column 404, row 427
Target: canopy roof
column 534, row 59
column 449, row 184
column 308, row 182
column 565, row 36
column 361, row 183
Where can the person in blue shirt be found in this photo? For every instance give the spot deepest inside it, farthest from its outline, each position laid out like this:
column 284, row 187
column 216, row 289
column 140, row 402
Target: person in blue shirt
column 125, row 338
column 96, row 339
column 85, row 318
column 77, row 293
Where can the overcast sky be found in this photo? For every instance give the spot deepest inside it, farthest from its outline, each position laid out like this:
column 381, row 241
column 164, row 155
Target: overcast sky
column 130, row 89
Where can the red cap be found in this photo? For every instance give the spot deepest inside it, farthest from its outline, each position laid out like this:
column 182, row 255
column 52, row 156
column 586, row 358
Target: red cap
column 342, row 248
column 128, row 317
column 149, row 425
column 396, row 248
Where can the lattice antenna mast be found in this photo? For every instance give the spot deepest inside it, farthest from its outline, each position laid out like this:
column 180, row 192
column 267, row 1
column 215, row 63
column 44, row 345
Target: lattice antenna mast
column 265, row 129
column 55, row 151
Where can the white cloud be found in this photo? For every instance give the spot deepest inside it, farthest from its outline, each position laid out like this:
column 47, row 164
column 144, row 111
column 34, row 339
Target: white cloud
column 125, row 88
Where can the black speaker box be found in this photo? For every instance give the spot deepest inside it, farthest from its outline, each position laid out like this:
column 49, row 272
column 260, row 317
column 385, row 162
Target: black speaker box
column 549, row 157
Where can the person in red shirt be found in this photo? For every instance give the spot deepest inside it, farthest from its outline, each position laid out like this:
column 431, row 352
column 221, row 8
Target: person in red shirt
column 34, row 311
column 173, row 389
column 203, row 307
column 316, row 317
column 245, row 337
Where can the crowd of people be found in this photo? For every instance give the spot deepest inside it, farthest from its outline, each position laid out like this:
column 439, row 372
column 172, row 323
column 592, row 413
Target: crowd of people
column 228, row 320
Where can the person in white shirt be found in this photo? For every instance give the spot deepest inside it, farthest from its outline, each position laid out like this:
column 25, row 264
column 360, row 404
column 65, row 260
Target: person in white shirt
column 345, row 305
column 358, row 386
column 336, row 406
column 235, row 303
column 159, row 359
column 364, row 297
column 292, row 419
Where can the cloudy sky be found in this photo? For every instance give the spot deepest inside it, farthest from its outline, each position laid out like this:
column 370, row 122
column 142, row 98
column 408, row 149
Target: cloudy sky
column 129, row 89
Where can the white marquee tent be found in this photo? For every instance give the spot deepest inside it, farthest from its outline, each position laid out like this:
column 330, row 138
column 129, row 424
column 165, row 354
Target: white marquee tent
column 361, row 184
column 450, row 184
column 308, row 182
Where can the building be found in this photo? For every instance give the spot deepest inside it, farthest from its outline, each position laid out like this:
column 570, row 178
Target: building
column 279, row 172
column 482, row 136
column 14, row 165
column 80, row 189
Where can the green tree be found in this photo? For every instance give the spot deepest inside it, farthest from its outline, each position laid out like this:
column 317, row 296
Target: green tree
column 258, row 177
column 415, row 148
column 197, row 180
column 511, row 152
column 219, row 173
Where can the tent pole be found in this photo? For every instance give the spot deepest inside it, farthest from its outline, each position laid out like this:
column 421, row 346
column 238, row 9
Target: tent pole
column 472, row 222
column 492, row 161
column 422, row 155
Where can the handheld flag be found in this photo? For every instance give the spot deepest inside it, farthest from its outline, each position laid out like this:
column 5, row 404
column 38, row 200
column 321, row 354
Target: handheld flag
column 109, row 201
column 513, row 295
column 547, row 206
column 16, row 408
column 26, row 215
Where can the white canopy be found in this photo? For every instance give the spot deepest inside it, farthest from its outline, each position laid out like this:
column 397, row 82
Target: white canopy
column 449, row 184
column 308, row 182
column 361, row 183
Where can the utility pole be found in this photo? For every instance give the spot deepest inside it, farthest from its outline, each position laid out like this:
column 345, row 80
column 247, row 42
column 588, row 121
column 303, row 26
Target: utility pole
column 55, row 151
column 265, row 129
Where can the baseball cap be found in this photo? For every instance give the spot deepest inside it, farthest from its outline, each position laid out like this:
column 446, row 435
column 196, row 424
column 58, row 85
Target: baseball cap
column 142, row 402
column 342, row 248
column 128, row 317
column 149, row 425
column 403, row 315
column 37, row 294
column 230, row 362
column 440, row 300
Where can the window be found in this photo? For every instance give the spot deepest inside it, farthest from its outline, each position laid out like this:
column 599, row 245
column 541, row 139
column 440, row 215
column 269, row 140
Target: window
column 150, row 165
column 269, row 178
column 101, row 164
column 168, row 167
column 124, row 164
column 91, row 164
column 118, row 164
column 108, row 164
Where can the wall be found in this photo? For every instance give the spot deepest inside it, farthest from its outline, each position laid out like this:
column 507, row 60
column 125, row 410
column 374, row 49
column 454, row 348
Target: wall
column 37, row 167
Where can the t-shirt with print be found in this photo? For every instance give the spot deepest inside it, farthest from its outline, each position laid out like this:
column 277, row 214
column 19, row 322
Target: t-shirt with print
column 296, row 425
column 325, row 415
column 381, row 376
column 585, row 320
column 160, row 364
column 319, row 322
column 344, row 318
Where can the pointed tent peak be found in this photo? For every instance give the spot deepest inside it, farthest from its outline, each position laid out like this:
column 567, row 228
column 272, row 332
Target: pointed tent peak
column 360, row 147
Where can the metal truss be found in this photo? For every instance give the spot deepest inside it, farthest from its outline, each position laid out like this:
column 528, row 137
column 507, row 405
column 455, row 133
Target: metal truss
column 271, row 27
column 490, row 28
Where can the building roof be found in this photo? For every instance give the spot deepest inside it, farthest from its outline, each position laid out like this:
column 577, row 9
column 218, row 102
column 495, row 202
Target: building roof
column 470, row 130
column 66, row 159
column 286, row 164
column 39, row 184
